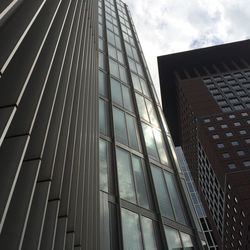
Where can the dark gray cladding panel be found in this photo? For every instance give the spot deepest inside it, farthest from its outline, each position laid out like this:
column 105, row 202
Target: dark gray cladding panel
column 11, row 156
column 12, row 236
column 48, row 130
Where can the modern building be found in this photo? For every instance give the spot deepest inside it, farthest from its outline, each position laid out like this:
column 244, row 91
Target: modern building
column 61, row 186
column 195, row 197
column 206, row 100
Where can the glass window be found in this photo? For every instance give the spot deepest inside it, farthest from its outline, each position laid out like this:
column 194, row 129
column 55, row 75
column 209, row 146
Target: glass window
column 162, row 193
column 240, row 153
column 148, row 234
column 246, row 163
column 131, row 231
column 103, row 162
column 151, row 112
column 220, row 145
column 103, row 117
column 132, row 132
column 235, row 143
column 186, row 241
column 173, row 238
column 136, row 82
column 101, row 60
column 142, row 107
column 126, row 186
column 176, row 201
column 140, row 182
column 150, row 141
column 160, row 146
column 127, row 102
column 116, row 92
column 114, row 69
column 102, row 84
column 120, row 126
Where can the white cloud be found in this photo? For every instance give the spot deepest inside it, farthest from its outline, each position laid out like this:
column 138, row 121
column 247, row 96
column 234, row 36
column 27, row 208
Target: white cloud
column 168, row 26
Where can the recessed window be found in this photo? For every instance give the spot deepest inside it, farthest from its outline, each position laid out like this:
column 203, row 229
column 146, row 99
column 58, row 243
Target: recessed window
column 244, row 114
column 231, row 116
column 217, row 137
column 207, row 120
column 220, row 145
column 238, row 107
column 224, row 126
column 237, row 124
column 231, row 166
column 235, row 143
column 219, row 118
column 240, row 153
column 243, row 132
column 226, row 109
column 248, row 121
column 229, row 134
column 211, row 128
column 247, row 140
column 226, row 155
column 246, row 163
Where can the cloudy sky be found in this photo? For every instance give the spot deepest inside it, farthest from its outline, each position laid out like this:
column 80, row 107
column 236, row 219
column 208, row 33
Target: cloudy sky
column 168, row 26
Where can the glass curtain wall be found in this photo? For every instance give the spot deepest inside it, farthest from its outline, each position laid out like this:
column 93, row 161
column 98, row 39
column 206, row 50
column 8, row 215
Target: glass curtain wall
column 142, row 206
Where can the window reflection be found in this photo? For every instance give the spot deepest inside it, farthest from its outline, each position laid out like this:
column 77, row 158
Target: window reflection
column 173, row 238
column 187, row 242
column 103, row 117
column 148, row 234
column 103, row 163
column 162, row 193
column 126, row 186
column 131, row 231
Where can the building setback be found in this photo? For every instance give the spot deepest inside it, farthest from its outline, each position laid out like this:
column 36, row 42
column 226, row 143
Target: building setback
column 206, row 100
column 61, row 186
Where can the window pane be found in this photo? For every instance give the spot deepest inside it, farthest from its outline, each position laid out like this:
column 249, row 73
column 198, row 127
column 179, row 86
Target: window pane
column 112, row 51
column 173, row 239
column 127, row 98
column 176, row 202
column 132, row 132
column 102, row 84
column 131, row 231
column 144, row 87
column 123, row 75
column 151, row 112
column 136, row 82
column 111, row 37
column 148, row 234
column 116, row 92
column 150, row 142
column 120, row 126
column 142, row 107
column 113, row 68
column 103, row 161
column 186, row 241
column 160, row 146
column 162, row 194
column 126, row 186
column 103, row 116
column 140, row 182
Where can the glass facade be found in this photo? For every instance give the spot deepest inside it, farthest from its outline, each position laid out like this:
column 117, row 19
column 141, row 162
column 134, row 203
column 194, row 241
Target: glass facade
column 141, row 196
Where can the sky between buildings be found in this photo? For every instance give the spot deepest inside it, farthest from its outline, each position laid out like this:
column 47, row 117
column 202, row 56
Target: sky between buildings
column 169, row 26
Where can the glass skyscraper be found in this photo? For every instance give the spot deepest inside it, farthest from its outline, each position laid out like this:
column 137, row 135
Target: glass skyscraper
column 143, row 204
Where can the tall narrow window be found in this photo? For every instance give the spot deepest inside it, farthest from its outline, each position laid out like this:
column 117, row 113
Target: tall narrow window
column 103, row 117
column 176, row 201
column 131, row 231
column 120, row 126
column 103, row 163
column 187, row 241
column 162, row 193
column 173, row 238
column 126, row 185
column 148, row 234
column 150, row 141
column 140, row 182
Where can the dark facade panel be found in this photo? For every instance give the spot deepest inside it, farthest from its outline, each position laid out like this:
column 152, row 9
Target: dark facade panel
column 48, row 128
